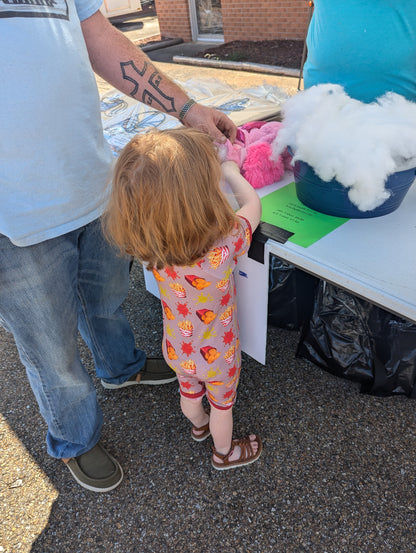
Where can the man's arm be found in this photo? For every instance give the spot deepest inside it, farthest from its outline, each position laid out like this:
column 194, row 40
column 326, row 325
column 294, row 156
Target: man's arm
column 126, row 67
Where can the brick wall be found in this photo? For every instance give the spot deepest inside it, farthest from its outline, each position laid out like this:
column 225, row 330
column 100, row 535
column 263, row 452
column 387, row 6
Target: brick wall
column 242, row 19
column 174, row 19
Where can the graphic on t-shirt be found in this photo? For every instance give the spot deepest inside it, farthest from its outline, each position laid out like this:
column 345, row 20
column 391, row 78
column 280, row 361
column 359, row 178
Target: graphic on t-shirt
column 34, row 8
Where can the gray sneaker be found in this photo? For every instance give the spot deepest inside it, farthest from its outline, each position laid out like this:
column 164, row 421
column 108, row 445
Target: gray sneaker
column 155, row 371
column 96, row 470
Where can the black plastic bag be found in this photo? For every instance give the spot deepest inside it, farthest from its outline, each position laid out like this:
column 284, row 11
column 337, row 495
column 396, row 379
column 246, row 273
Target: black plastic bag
column 336, row 337
column 354, row 339
column 291, row 294
column 394, row 346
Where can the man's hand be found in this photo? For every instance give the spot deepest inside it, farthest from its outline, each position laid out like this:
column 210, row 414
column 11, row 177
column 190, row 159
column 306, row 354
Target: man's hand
column 213, row 122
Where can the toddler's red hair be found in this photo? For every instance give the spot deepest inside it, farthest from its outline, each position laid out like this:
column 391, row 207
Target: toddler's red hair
column 166, row 207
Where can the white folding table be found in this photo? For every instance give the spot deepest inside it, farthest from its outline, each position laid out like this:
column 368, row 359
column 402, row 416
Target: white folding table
column 373, row 258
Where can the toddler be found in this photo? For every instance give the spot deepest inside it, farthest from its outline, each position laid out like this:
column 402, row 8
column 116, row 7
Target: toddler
column 168, row 209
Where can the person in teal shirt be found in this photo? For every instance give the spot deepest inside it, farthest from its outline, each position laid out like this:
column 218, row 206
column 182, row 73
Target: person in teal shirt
column 366, row 46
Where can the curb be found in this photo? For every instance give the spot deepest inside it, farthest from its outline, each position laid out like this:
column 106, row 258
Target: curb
column 162, row 44
column 240, row 66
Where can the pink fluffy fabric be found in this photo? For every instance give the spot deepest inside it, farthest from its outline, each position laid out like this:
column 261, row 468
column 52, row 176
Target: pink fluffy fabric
column 252, row 152
column 258, row 169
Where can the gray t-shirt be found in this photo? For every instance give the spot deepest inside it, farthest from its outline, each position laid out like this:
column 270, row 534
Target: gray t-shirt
column 54, row 161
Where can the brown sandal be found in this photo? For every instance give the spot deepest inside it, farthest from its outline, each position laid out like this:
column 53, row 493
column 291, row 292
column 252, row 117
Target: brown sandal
column 200, row 437
column 247, row 455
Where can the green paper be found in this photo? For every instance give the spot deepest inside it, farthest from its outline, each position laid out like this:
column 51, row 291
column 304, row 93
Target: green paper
column 283, row 209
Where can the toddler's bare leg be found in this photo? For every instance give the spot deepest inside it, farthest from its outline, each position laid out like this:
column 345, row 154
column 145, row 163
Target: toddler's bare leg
column 221, row 427
column 194, row 411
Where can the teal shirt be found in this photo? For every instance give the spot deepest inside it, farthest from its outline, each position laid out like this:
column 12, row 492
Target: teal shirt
column 366, row 46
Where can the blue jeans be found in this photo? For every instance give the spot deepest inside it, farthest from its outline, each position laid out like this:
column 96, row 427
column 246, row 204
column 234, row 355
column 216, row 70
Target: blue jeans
column 48, row 292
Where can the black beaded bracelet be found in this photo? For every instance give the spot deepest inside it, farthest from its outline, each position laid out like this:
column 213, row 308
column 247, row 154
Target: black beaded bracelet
column 185, row 108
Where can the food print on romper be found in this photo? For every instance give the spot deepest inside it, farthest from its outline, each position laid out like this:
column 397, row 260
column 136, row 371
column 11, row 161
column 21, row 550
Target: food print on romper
column 215, row 258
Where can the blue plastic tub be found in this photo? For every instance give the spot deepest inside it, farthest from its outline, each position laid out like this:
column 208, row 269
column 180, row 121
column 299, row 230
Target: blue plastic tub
column 331, row 197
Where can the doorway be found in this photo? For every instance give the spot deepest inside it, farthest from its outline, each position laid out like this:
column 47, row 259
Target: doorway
column 206, row 20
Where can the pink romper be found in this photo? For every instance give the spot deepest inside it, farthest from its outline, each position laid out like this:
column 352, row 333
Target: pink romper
column 201, row 334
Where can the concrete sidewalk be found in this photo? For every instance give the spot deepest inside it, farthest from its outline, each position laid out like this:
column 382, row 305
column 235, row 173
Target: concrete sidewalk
column 186, row 53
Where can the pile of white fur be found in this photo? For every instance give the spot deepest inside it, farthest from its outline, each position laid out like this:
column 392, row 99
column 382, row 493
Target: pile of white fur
column 357, row 144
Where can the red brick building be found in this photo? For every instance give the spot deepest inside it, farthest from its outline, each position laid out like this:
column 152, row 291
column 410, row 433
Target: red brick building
column 230, row 20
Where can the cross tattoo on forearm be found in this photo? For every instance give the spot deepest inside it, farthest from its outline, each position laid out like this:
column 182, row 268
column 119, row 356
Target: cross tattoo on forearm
column 152, row 94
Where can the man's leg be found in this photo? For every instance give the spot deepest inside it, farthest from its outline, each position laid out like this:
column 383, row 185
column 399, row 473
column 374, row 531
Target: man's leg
column 103, row 282
column 39, row 305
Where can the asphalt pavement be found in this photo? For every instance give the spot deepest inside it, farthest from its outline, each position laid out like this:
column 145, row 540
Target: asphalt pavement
column 337, row 474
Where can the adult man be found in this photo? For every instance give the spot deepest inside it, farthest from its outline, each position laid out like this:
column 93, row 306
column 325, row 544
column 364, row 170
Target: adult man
column 57, row 273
